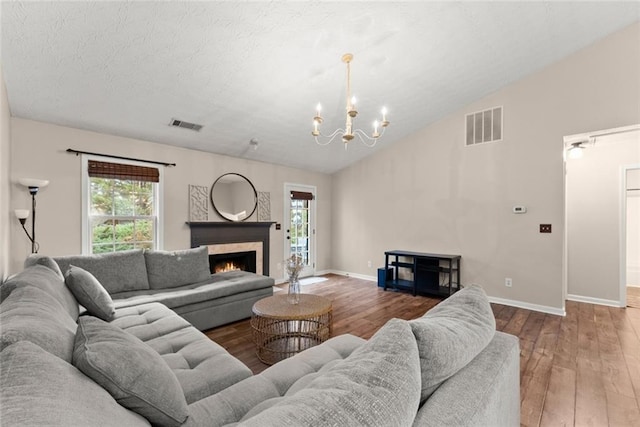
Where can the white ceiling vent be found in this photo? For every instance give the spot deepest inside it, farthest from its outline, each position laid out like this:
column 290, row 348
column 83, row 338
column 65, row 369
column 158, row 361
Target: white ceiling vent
column 185, row 125
column 484, row 126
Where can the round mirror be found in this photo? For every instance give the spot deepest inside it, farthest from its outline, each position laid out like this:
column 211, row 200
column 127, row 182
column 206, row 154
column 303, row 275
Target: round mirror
column 234, row 197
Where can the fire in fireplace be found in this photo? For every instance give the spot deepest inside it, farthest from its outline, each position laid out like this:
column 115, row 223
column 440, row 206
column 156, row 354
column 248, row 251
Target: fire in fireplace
column 245, row 261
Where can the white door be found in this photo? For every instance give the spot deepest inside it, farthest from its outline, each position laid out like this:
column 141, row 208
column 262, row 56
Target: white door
column 299, row 222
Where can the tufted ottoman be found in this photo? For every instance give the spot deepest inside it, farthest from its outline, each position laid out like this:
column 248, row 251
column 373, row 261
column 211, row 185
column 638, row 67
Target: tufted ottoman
column 202, row 367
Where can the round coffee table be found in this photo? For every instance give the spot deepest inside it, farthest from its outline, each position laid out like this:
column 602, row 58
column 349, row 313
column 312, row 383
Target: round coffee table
column 281, row 329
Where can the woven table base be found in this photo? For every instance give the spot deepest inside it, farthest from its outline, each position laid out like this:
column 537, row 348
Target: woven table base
column 281, row 329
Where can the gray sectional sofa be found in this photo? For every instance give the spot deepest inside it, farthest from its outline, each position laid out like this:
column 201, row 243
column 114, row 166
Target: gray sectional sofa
column 181, row 280
column 142, row 364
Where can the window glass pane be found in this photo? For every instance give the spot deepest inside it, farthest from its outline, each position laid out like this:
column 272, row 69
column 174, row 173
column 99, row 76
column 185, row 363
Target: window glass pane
column 101, row 196
column 100, row 249
column 123, row 246
column 102, row 231
column 143, row 230
column 143, row 199
column 123, row 230
column 123, row 200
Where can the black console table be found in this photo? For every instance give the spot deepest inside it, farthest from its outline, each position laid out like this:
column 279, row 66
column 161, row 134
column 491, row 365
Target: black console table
column 426, row 269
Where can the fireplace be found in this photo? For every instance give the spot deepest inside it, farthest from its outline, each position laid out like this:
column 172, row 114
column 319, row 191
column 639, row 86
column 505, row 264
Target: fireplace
column 245, row 261
column 230, row 238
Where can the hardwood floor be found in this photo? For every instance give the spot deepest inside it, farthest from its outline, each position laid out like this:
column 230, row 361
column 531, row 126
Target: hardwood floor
column 578, row 370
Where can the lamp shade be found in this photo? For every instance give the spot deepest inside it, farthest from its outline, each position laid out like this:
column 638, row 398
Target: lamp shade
column 22, row 213
column 33, row 182
column 575, row 152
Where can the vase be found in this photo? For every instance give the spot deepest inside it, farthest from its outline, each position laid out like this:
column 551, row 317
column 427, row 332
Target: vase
column 294, row 290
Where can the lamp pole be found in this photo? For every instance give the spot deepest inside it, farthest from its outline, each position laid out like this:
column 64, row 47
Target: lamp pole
column 33, row 191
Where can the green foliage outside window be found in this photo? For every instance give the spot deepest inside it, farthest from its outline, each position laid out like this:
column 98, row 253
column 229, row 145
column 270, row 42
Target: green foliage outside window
column 122, row 215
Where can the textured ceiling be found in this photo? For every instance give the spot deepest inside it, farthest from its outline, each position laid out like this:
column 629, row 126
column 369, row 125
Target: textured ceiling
column 257, row 69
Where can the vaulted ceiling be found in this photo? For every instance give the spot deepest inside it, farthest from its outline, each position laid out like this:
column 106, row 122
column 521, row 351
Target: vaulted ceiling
column 256, row 70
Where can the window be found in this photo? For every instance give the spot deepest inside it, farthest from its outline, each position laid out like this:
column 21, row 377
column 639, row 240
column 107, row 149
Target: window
column 300, row 225
column 122, row 207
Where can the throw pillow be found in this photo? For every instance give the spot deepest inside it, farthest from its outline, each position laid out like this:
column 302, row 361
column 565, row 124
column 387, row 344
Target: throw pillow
column 48, row 281
column 168, row 269
column 35, row 259
column 134, row 373
column 452, row 334
column 90, row 293
column 119, row 271
column 31, row 314
column 378, row 384
column 40, row 389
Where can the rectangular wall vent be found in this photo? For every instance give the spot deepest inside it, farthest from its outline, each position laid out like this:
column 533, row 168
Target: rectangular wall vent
column 185, row 125
column 484, row 126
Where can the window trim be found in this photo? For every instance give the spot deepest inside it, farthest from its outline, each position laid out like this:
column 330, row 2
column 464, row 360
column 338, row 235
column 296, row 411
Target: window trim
column 86, row 202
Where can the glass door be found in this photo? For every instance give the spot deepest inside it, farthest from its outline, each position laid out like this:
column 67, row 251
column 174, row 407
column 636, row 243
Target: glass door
column 300, row 225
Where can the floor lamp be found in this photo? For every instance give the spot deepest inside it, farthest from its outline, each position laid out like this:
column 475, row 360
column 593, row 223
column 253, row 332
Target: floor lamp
column 22, row 214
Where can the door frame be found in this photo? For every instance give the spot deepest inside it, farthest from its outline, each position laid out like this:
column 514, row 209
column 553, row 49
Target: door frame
column 622, row 213
column 288, row 187
column 623, row 230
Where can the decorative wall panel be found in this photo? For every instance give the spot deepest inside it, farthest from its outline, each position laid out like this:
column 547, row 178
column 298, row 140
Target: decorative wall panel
column 198, row 203
column 264, row 206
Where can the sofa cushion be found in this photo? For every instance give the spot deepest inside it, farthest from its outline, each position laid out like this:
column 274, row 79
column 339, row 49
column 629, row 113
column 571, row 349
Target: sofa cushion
column 46, row 280
column 47, row 261
column 201, row 366
column 90, row 293
column 169, row 269
column 39, row 389
column 216, row 286
column 116, row 271
column 378, row 384
column 231, row 404
column 451, row 334
column 134, row 374
column 31, row 314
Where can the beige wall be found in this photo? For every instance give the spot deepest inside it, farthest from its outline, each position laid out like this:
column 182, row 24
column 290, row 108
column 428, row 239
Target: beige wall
column 594, row 192
column 430, row 193
column 5, row 208
column 38, row 151
column 633, row 226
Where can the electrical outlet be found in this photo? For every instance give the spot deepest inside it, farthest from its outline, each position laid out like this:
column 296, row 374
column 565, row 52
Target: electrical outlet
column 369, row 264
column 508, row 282
column 545, row 228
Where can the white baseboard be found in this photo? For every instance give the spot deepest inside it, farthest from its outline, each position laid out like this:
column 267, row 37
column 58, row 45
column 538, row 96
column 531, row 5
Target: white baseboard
column 598, row 301
column 355, row 275
column 322, row 272
column 513, row 303
column 529, row 306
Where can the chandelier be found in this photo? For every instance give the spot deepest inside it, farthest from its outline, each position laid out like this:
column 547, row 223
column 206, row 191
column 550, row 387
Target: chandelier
column 349, row 133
